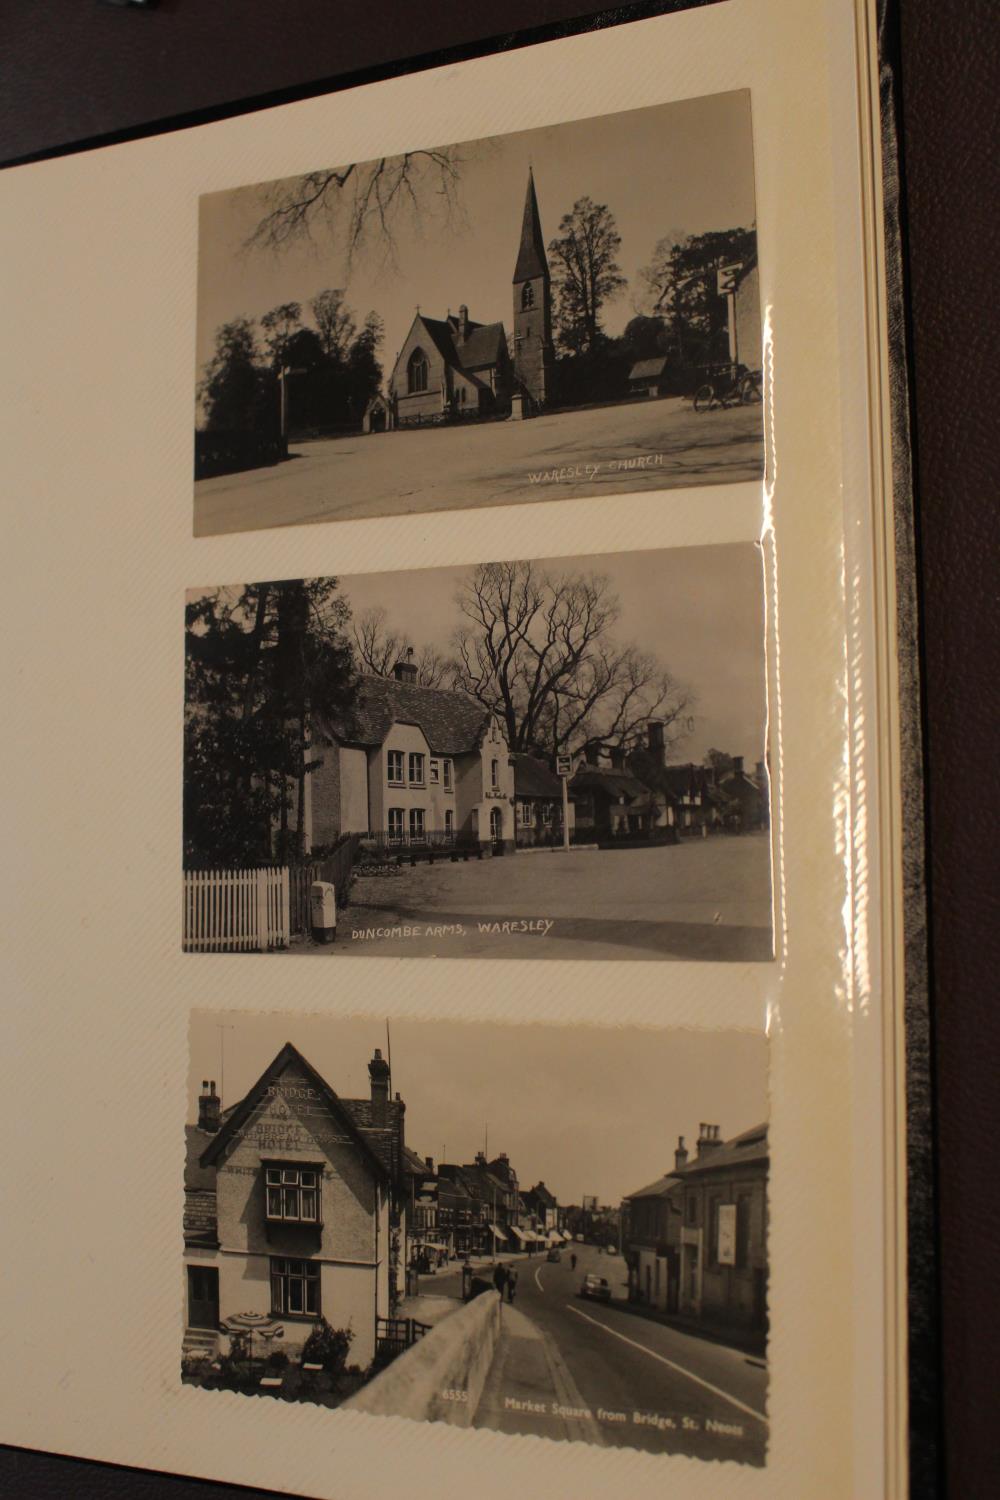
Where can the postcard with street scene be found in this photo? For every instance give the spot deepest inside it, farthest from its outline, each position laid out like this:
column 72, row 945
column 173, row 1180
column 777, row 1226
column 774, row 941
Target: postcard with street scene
column 556, row 758
column 564, row 311
column 549, row 1230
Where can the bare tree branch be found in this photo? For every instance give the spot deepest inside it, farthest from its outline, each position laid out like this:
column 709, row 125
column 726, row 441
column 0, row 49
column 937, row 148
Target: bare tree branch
column 360, row 203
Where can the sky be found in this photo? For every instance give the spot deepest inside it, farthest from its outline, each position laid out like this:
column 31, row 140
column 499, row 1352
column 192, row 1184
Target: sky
column 670, row 170
column 700, row 610
column 584, row 1109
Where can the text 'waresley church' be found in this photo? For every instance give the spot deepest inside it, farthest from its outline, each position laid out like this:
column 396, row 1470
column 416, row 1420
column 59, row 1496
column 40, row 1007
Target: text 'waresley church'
column 455, row 367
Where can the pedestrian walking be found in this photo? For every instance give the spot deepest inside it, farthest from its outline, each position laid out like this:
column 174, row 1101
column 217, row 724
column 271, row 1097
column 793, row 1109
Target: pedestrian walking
column 500, row 1280
column 572, row 1261
column 511, row 1284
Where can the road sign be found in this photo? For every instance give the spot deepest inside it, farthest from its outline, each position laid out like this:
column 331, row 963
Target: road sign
column 725, row 282
column 564, row 765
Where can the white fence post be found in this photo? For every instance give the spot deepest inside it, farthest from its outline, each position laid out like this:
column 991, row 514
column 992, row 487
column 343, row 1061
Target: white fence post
column 229, row 911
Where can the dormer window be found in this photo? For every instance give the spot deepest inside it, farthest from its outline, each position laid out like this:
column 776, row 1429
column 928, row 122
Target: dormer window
column 527, row 296
column 292, row 1194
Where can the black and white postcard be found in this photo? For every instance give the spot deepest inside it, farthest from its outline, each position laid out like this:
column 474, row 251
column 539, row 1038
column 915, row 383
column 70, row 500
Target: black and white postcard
column 555, row 1231
column 560, row 758
column 554, row 313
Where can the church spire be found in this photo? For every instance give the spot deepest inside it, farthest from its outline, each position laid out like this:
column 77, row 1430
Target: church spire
column 531, row 251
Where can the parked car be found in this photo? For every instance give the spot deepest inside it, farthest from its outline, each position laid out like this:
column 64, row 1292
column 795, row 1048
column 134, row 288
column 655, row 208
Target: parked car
column 554, row 1253
column 596, row 1287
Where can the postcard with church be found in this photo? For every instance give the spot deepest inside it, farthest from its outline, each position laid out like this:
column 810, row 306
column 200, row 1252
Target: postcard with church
column 550, row 758
column 562, row 312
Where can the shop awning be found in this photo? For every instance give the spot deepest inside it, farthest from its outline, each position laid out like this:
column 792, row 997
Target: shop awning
column 498, row 1234
column 520, row 1234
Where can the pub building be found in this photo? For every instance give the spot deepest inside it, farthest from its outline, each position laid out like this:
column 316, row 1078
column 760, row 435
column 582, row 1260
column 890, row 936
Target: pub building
column 294, row 1207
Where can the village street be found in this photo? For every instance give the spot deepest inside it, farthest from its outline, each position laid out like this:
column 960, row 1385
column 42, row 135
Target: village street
column 570, row 453
column 699, row 899
column 597, row 1372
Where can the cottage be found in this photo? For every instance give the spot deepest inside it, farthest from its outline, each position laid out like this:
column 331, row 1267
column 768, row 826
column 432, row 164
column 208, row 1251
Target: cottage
column 411, row 766
column 538, row 802
column 294, row 1207
column 610, row 802
column 650, row 377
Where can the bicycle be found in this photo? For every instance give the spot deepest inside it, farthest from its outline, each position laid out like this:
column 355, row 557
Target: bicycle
column 728, row 385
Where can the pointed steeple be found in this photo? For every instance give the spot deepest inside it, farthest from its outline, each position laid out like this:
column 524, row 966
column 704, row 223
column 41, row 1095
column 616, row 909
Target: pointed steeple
column 531, row 251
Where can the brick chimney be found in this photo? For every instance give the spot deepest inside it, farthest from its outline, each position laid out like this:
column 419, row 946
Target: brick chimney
column 378, row 1072
column 680, row 1155
column 406, row 670
column 209, row 1107
column 463, row 322
column 591, row 754
column 656, row 741
column 708, row 1139
column 429, row 1162
column 760, row 773
column 737, row 765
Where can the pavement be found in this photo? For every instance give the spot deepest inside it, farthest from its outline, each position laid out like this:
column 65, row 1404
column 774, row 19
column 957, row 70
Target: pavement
column 699, row 899
column 585, row 1371
column 608, row 450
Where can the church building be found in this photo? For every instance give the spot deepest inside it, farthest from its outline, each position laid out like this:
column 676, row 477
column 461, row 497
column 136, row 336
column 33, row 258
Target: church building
column 454, row 367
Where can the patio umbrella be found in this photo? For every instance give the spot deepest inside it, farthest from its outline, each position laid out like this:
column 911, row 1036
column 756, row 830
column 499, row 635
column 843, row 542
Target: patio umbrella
column 251, row 1323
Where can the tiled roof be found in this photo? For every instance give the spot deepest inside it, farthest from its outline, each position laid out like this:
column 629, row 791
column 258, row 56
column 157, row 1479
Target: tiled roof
column 743, row 1149
column 617, row 783
column 661, row 1188
column 484, row 344
column 384, row 1140
column 533, row 778
column 200, row 1209
column 452, row 722
column 531, row 259
column 379, row 1145
column 644, row 368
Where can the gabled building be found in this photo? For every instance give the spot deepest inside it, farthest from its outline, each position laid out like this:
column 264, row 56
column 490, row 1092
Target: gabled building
column 542, row 1207
column 696, row 1238
column 295, row 1206
column 449, row 367
column 453, row 367
column 538, row 809
column 411, row 765
column 610, row 802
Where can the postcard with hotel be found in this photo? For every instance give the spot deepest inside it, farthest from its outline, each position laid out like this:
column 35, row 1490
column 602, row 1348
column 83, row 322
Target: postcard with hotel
column 459, row 738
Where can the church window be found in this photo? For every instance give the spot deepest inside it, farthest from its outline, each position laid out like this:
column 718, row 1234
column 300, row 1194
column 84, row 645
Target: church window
column 416, row 372
column 527, row 296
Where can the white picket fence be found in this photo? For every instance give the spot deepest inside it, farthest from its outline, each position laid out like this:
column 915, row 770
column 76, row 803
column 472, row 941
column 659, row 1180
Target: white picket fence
column 235, row 911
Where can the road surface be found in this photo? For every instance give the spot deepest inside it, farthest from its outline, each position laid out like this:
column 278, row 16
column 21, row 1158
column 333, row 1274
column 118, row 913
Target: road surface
column 608, row 450
column 699, row 899
column 622, row 1380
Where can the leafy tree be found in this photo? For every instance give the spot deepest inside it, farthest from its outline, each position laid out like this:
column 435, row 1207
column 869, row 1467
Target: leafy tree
column 235, row 392
column 719, row 761
column 538, row 649
column 585, row 273
column 257, row 660
column 680, row 284
column 334, row 321
column 279, row 325
column 363, row 366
